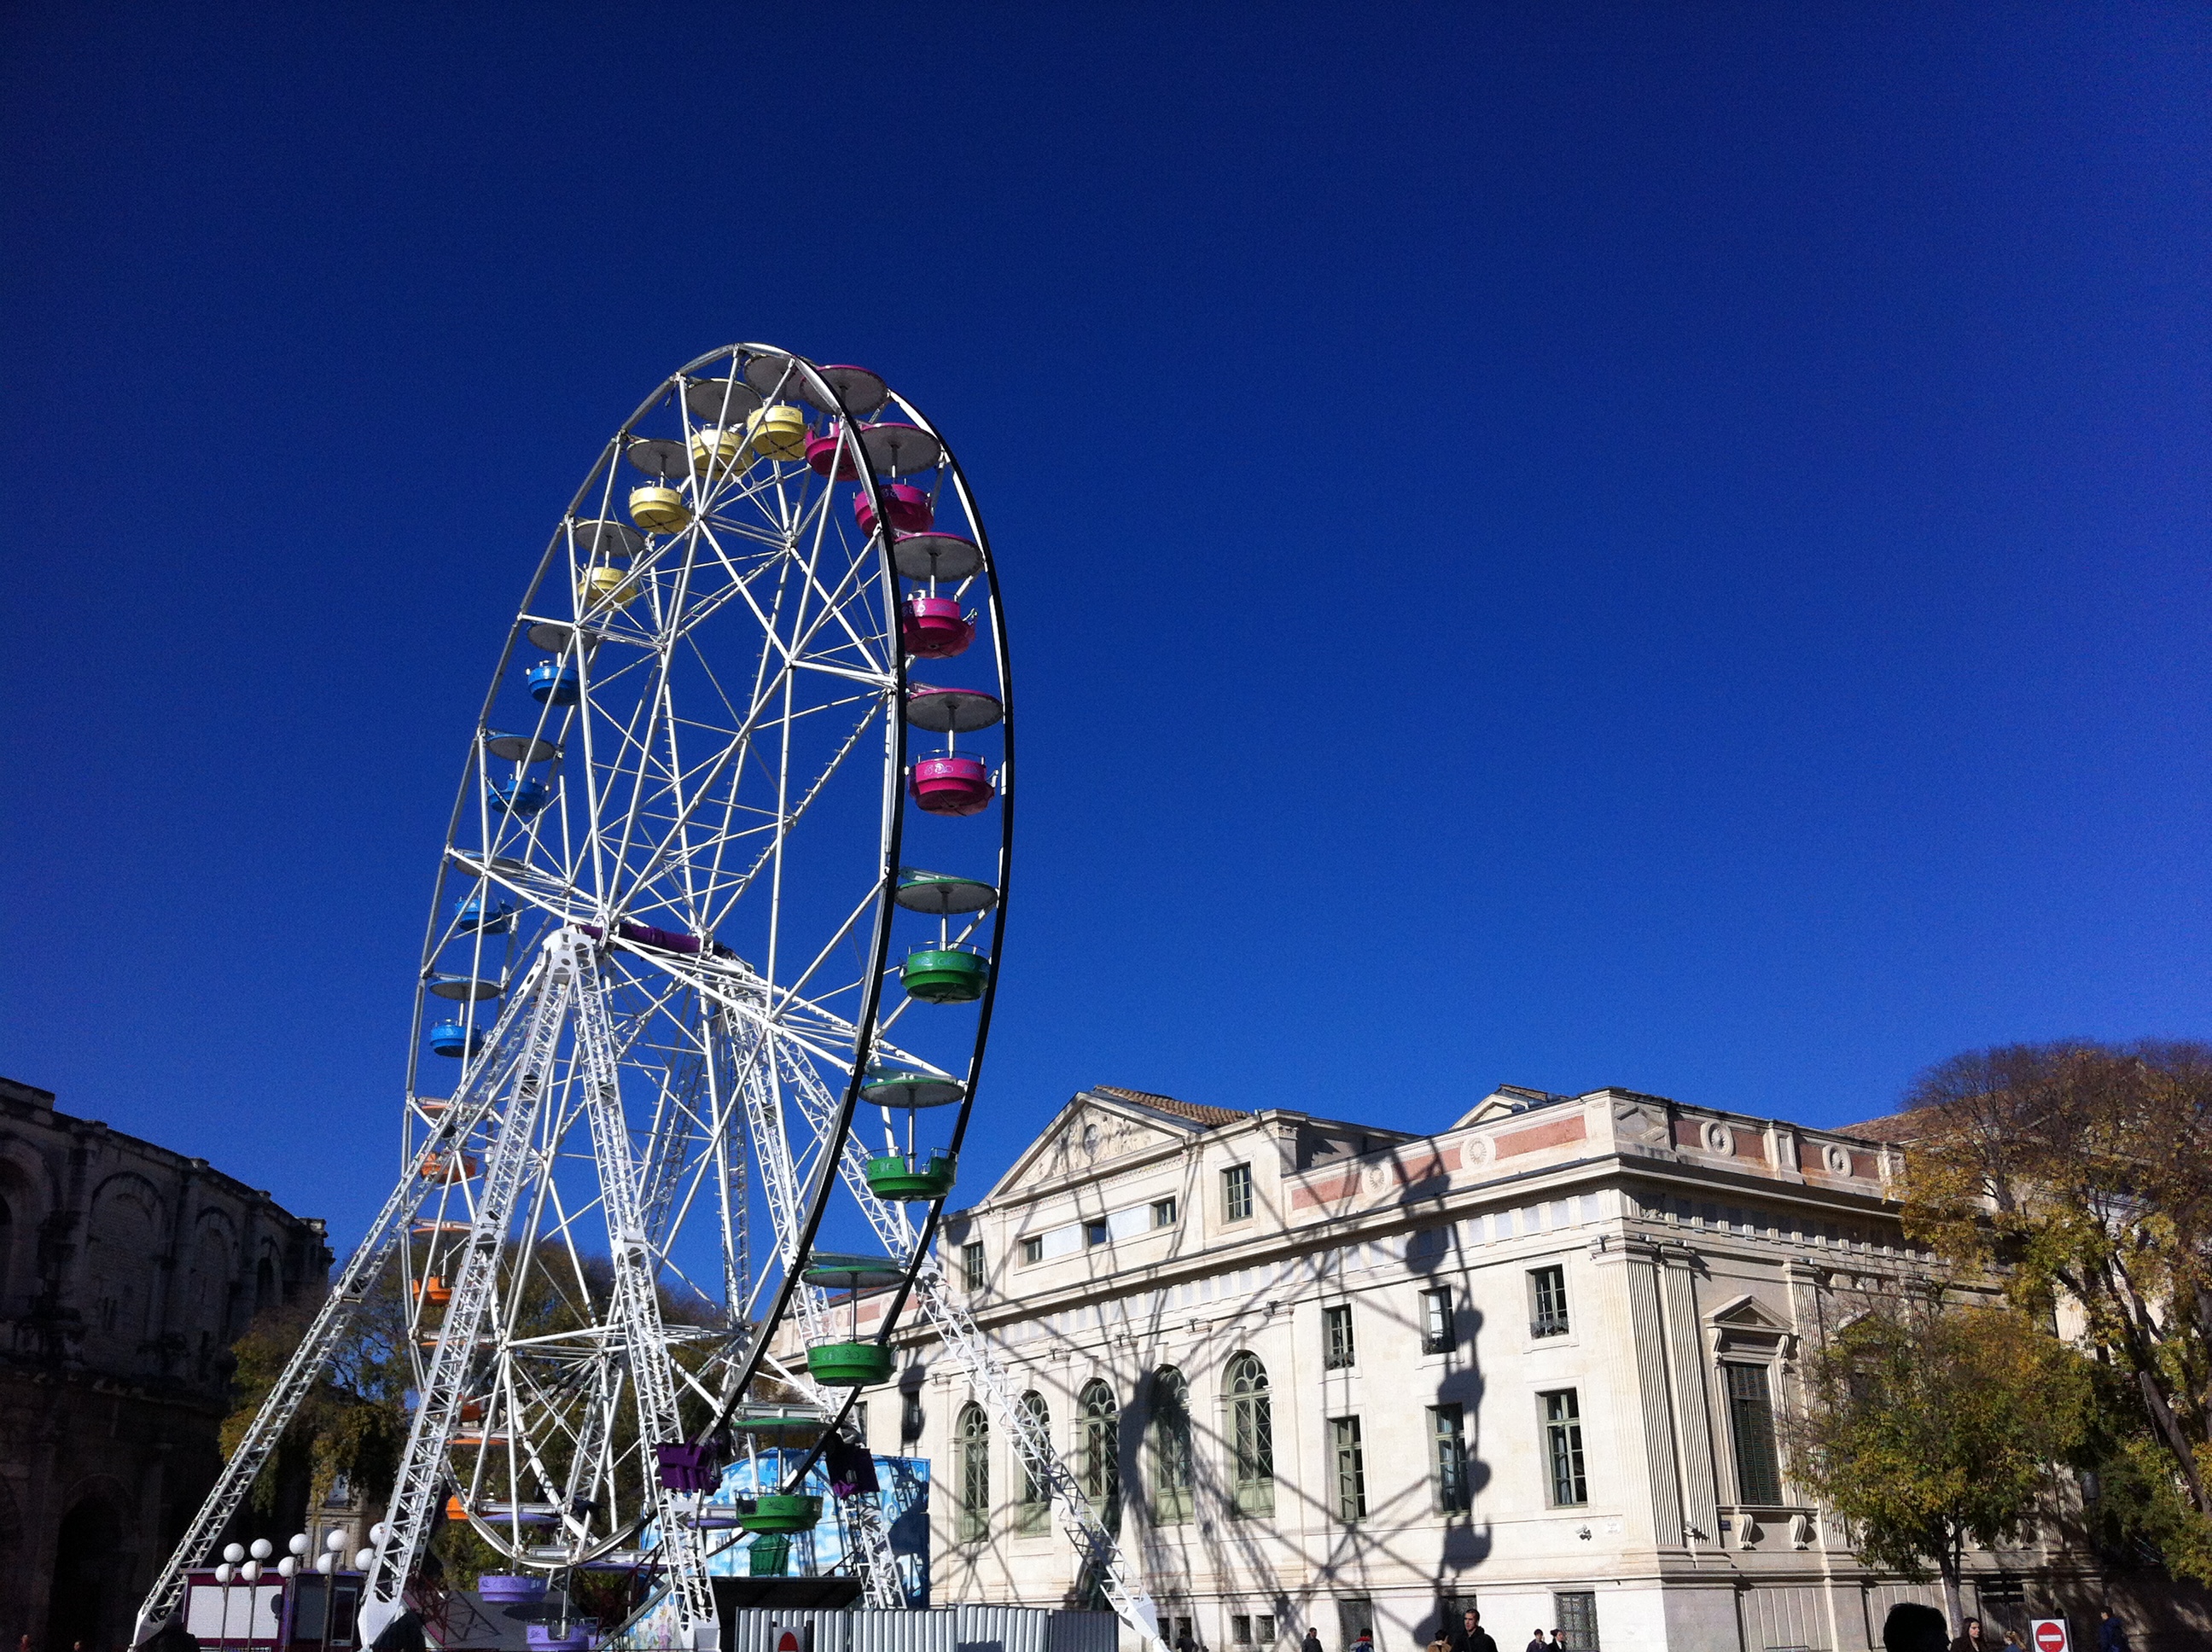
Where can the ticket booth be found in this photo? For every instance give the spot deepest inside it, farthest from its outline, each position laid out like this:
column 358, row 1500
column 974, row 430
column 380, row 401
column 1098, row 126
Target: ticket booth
column 312, row 1612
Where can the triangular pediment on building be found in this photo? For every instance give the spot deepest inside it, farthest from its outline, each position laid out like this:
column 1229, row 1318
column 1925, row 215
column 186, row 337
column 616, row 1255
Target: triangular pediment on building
column 1105, row 1124
column 1505, row 1100
column 1741, row 1322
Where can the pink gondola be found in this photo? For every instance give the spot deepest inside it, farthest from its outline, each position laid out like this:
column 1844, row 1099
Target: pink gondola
column 934, row 627
column 825, row 450
column 955, row 784
column 909, row 508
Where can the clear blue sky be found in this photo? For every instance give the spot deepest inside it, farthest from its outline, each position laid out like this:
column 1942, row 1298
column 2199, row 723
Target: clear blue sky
column 1649, row 545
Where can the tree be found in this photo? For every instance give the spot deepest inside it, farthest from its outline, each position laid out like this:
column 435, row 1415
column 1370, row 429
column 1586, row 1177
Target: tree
column 2081, row 1174
column 1927, row 1428
column 354, row 1419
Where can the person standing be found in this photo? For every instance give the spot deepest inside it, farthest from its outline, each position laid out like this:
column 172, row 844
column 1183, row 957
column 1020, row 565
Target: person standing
column 1971, row 1638
column 2112, row 1633
column 1536, row 1641
column 1912, row 1627
column 1470, row 1635
column 1312, row 1641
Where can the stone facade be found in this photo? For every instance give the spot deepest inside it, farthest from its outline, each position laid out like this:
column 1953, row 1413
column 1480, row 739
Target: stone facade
column 126, row 1271
column 1338, row 1374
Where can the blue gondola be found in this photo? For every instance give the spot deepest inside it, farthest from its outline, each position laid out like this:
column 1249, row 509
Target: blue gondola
column 520, row 795
column 550, row 680
column 452, row 1038
column 493, row 917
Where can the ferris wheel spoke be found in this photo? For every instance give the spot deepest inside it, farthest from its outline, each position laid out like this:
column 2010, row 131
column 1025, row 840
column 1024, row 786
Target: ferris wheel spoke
column 721, row 764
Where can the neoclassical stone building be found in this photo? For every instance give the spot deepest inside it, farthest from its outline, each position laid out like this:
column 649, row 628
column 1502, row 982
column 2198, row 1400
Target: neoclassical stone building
column 126, row 1271
column 1340, row 1375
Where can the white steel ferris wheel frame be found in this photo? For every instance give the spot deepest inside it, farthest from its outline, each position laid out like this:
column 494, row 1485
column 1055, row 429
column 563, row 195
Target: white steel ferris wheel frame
column 784, row 1034
column 478, row 1157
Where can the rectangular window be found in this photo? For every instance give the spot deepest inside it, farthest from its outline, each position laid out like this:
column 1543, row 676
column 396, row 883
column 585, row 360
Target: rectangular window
column 1236, row 1192
column 1577, row 1616
column 1563, row 1449
column 971, row 1264
column 1448, row 1458
column 861, row 1421
column 1094, row 1233
column 1351, row 1468
column 1032, row 1250
column 1437, row 1334
column 1355, row 1616
column 1240, row 1628
column 1337, row 1352
column 1164, row 1212
column 1751, row 1425
column 910, row 1419
column 344, row 1604
column 1263, row 1629
column 1548, row 1301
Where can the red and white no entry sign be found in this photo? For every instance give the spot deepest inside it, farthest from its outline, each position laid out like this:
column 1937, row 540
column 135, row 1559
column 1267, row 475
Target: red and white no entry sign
column 2049, row 1635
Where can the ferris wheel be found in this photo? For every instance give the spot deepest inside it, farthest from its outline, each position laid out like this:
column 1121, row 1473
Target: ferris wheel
column 714, row 825
column 708, row 976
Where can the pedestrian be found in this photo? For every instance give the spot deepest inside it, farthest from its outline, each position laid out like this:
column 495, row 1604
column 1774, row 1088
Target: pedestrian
column 172, row 1636
column 1312, row 1641
column 1364, row 1641
column 1911, row 1627
column 1536, row 1640
column 1182, row 1640
column 1970, row 1638
column 2112, row 1633
column 1470, row 1635
column 2012, row 1638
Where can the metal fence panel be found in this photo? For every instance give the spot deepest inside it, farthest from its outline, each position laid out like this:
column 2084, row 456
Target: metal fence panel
column 992, row 1628
column 899, row 1632
column 1082, row 1631
column 750, row 1626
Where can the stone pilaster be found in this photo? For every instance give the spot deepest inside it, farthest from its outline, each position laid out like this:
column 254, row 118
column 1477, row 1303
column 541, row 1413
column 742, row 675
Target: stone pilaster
column 1639, row 1363
column 1685, row 1348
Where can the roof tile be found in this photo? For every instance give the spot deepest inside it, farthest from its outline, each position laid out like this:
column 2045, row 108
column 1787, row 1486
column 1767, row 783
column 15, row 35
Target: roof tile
column 1208, row 1116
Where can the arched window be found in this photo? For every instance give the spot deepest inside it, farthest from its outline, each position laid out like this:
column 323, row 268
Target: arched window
column 972, row 1431
column 1102, row 1451
column 1251, row 1435
column 1170, row 1446
column 1035, row 1514
column 6, row 1251
column 265, row 1286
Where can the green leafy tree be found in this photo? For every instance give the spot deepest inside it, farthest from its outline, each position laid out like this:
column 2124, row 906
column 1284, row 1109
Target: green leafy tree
column 354, row 1419
column 2080, row 1175
column 1927, row 1428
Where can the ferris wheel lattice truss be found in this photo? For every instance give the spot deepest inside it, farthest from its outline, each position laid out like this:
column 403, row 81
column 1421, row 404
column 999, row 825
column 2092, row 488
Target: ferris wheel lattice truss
column 703, row 808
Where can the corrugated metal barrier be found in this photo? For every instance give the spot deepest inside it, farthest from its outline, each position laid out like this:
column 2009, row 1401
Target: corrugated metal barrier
column 945, row 1629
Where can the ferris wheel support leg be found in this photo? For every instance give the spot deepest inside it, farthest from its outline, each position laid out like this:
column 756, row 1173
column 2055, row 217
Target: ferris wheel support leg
column 359, row 1276
column 414, row 1505
column 637, row 1310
